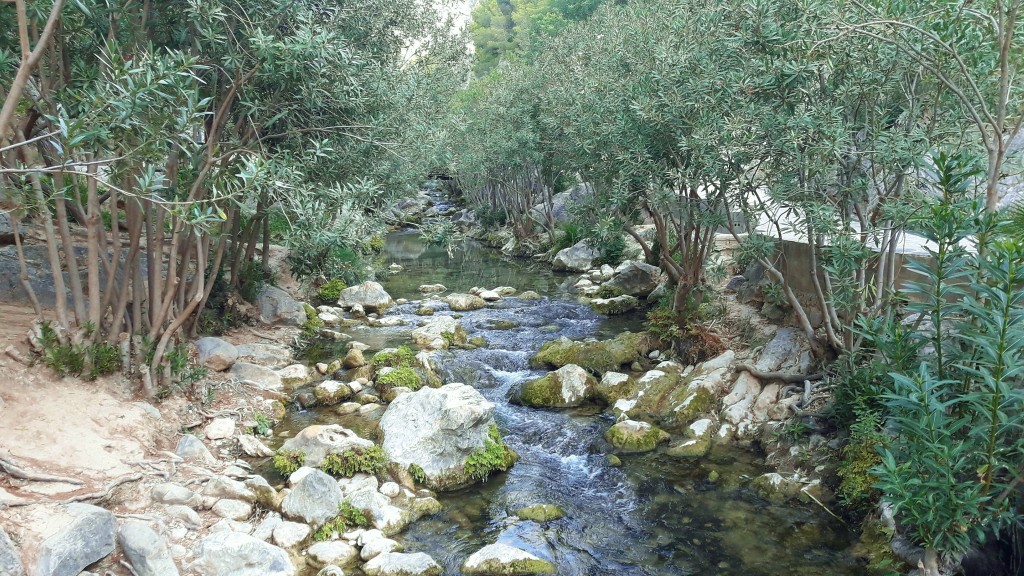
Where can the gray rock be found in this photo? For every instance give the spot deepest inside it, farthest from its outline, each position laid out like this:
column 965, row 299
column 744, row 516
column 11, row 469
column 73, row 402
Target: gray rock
column 786, row 352
column 439, row 333
column 235, row 554
column 224, row 487
column 290, row 535
column 464, row 302
column 330, row 570
column 505, row 560
column 317, row 441
column 146, row 550
column 10, row 559
column 432, row 288
column 568, row 386
column 7, row 229
column 335, row 553
column 401, row 564
column 259, row 375
column 192, row 449
column 634, row 279
column 232, row 509
column 371, row 296
column 614, row 306
column 265, row 529
column 561, row 204
column 278, row 307
column 377, row 546
column 577, row 258
column 86, row 534
column 251, row 446
column 219, row 429
column 216, row 354
column 171, row 493
column 264, row 354
column 384, row 516
column 187, row 516
column 736, row 282
column 314, row 500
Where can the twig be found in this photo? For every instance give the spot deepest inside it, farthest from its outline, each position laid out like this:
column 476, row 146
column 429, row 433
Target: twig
column 831, row 513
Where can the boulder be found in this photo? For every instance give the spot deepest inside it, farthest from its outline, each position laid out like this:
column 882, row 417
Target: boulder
column 219, row 428
column 438, row 429
column 561, row 204
column 354, row 359
column 331, row 392
column 277, row 307
column 432, row 288
column 294, row 375
column 333, row 553
column 566, row 387
column 530, row 295
column 228, row 553
column 541, row 512
column 614, row 386
column 261, row 376
column 290, row 535
column 489, row 295
column 788, row 351
column 698, row 441
column 369, row 295
column 439, row 333
column 633, row 250
column 265, row 354
column 191, row 449
column 317, row 441
column 504, row 560
column 776, row 487
column 668, row 399
column 216, row 354
column 10, row 559
column 592, row 355
column 314, row 500
column 635, row 436
column 232, row 509
column 464, row 302
column 614, row 306
column 173, row 494
column 146, row 550
column 383, row 515
column 224, row 487
column 377, row 546
column 253, row 447
column 633, row 279
column 402, row 564
column 577, row 258
column 79, row 534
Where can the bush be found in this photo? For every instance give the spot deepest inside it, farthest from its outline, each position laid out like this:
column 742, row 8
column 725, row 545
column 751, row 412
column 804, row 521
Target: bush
column 568, row 235
column 368, row 460
column 331, row 291
column 861, row 454
column 252, row 277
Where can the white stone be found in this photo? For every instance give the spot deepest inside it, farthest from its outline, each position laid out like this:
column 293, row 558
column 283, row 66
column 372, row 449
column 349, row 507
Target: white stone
column 219, row 428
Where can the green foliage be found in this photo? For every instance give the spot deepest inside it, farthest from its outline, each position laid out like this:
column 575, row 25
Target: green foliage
column 399, row 377
column 287, row 461
column 664, row 324
column 330, row 291
column 264, row 424
column 220, row 313
column 774, row 294
column 313, row 325
column 401, row 357
column 349, row 517
column 90, row 361
column 367, row 460
column 495, row 456
column 252, row 278
column 569, row 234
column 861, row 454
column 417, row 473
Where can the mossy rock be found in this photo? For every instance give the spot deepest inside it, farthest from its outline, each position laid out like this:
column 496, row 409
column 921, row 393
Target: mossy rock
column 775, row 487
column 541, row 512
column 615, row 386
column 424, row 311
column 499, row 324
column 403, row 377
column 697, row 444
column 614, row 306
column 635, row 436
column 331, row 392
column 671, row 400
column 594, row 356
column 530, row 295
column 566, row 387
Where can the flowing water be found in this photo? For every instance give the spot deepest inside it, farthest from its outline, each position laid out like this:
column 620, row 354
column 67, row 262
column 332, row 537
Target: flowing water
column 654, row 515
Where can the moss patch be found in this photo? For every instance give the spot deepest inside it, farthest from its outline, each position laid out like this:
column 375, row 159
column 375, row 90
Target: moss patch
column 369, row 460
column 632, row 436
column 348, row 517
column 495, row 456
column 401, row 357
column 543, row 392
column 399, row 378
column 288, row 461
column 541, row 512
column 331, row 291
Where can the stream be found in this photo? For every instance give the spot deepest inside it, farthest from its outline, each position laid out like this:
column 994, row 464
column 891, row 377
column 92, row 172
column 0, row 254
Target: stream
column 654, row 515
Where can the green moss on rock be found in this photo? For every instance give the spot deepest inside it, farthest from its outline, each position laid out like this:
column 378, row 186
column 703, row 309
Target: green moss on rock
column 399, row 378
column 495, row 456
column 541, row 512
column 634, row 436
column 288, row 461
column 594, row 356
column 369, row 460
column 401, row 357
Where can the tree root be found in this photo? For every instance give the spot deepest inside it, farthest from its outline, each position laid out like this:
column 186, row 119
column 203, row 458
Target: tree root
column 787, row 378
column 98, row 495
column 18, row 472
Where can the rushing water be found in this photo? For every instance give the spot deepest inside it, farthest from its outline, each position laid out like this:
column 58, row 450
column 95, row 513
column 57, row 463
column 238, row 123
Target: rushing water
column 654, row 515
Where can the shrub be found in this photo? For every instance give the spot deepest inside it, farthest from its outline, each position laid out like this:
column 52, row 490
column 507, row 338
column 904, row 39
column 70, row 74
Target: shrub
column 417, row 473
column 331, row 291
column 401, row 357
column 861, row 454
column 348, row 517
column 367, row 460
column 252, row 277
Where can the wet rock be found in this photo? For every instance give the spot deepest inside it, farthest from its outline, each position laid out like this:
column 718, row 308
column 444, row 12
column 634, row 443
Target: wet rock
column 232, row 509
column 432, row 288
column 314, row 500
column 383, row 515
column 251, row 446
column 219, row 428
column 402, row 564
column 577, row 258
column 265, row 354
column 354, row 359
column 192, row 449
column 333, row 553
column 530, row 295
column 594, row 356
column 633, row 279
column 614, row 306
column 698, row 441
column 216, row 354
column 261, row 376
column 437, row 430
column 439, row 333
column 504, row 560
column 615, row 386
column 82, row 534
column 541, row 512
column 290, row 535
column 331, row 392
column 635, row 436
column 277, row 307
column 370, row 296
column 294, row 375
column 505, row 290
column 146, row 550
column 235, row 554
column 377, row 546
column 464, row 302
column 668, row 399
column 568, row 386
column 10, row 559
column 776, row 487
column 317, row 441
column 489, row 295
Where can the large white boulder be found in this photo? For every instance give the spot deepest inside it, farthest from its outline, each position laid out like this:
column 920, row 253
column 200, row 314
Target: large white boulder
column 370, row 295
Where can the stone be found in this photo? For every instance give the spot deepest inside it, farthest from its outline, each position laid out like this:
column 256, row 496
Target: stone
column 439, row 333
column 383, row 515
column 81, row 534
column 278, row 307
column 437, row 430
column 216, row 354
column 698, row 441
column 331, row 570
column 489, row 295
column 390, row 489
column 319, row 440
column 505, row 290
column 378, row 546
column 776, row 487
column 370, row 296
column 329, row 318
column 229, row 525
column 261, row 376
column 530, row 295
column 265, row 354
column 224, row 487
column 615, row 386
column 354, row 359
column 402, row 564
column 253, row 447
column 294, row 375
column 314, row 500
column 331, row 392
column 767, row 399
column 594, row 356
column 783, row 352
column 541, row 512
column 10, row 559
column 191, row 449
column 577, row 258
column 290, row 535
column 170, row 493
column 265, row 529
column 739, row 402
column 614, row 306
column 633, row 279
column 464, row 302
column 219, row 428
column 504, row 560
column 566, row 387
column 232, row 509
column 334, row 553
column 635, row 436
column 432, row 288
column 735, row 283
column 230, row 553
column 187, row 516
column 146, row 550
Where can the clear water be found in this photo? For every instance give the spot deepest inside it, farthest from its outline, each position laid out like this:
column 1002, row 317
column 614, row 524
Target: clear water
column 653, row 516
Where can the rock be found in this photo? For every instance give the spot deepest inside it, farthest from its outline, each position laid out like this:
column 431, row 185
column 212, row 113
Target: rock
column 383, row 515
column 265, row 530
column 438, row 429
column 331, row 392
column 657, row 295
column 192, row 449
column 568, row 386
column 614, row 306
column 635, row 436
column 329, row 318
column 171, row 494
column 632, row 249
column 370, row 296
column 232, row 509
column 81, row 534
column 401, row 564
column 668, row 399
column 489, row 295
column 277, row 307
column 594, row 356
column 330, row 570
column 735, row 283
column 187, row 516
column 464, row 302
column 335, row 553
column 290, row 535
column 788, row 351
column 265, row 354
column 378, row 546
column 294, row 375
column 146, row 550
column 216, row 354
column 317, row 441
column 354, row 359
column 504, row 560
column 251, row 446
column 314, row 500
column 577, row 258
column 775, row 487
column 530, row 295
column 541, row 513
column 261, row 376
column 633, row 279
column 698, row 443
column 10, row 559
column 439, row 333
column 220, row 428
column 505, row 290
column 739, row 402
column 224, row 487
column 390, row 489
column 432, row 288
column 615, row 386
column 235, row 554
column 765, row 401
